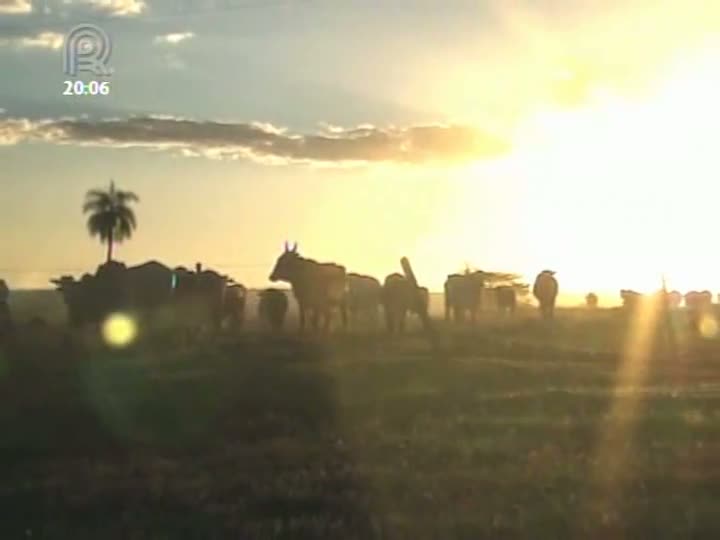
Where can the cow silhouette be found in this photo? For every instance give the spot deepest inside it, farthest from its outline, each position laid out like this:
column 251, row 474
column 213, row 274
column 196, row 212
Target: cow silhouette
column 545, row 290
column 398, row 298
column 272, row 308
column 319, row 288
column 363, row 297
column 463, row 294
column 506, row 298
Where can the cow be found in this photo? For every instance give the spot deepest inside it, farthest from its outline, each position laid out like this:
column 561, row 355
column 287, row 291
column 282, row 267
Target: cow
column 630, row 299
column 272, row 308
column 144, row 289
column 545, row 290
column 205, row 297
column 698, row 306
column 698, row 301
column 363, row 296
column 591, row 300
column 82, row 303
column 398, row 298
column 660, row 301
column 319, row 288
column 673, row 299
column 115, row 287
column 424, row 294
column 150, row 285
column 5, row 317
column 506, row 299
column 463, row 294
column 233, row 312
column 4, row 292
column 200, row 295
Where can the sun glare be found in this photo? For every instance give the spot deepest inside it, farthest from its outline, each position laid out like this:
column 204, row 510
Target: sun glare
column 119, row 330
column 626, row 182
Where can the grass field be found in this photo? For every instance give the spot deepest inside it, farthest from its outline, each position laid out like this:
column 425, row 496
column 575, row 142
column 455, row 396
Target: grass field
column 516, row 430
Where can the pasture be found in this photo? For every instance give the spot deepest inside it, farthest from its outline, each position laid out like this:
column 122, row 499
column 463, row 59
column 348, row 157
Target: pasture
column 519, row 429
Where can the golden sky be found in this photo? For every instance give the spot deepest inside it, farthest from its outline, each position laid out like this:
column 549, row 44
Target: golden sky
column 577, row 136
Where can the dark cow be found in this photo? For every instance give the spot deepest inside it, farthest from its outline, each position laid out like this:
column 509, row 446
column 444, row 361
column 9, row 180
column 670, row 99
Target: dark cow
column 699, row 304
column 115, row 287
column 591, row 300
column 150, row 285
column 398, row 298
column 319, row 288
column 506, row 298
column 424, row 294
column 4, row 292
column 545, row 290
column 203, row 296
column 363, row 296
column 83, row 304
column 630, row 299
column 234, row 305
column 463, row 294
column 5, row 317
column 272, row 308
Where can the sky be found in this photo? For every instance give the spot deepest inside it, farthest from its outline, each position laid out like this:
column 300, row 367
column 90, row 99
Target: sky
column 510, row 136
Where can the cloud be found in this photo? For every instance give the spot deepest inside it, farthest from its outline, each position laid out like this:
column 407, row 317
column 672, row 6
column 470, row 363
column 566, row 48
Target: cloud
column 174, row 38
column 13, row 131
column 42, row 40
column 121, row 8
column 431, row 143
column 15, row 7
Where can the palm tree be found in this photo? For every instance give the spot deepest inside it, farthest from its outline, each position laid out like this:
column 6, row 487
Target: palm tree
column 111, row 217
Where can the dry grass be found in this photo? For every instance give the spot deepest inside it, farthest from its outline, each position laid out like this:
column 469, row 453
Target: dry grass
column 359, row 437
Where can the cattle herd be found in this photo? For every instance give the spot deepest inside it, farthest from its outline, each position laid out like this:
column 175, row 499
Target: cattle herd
column 206, row 298
column 698, row 304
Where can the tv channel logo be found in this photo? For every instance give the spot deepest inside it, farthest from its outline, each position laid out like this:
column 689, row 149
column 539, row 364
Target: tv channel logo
column 87, row 49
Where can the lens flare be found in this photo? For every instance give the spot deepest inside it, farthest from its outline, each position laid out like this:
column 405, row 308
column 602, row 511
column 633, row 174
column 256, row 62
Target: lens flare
column 119, row 330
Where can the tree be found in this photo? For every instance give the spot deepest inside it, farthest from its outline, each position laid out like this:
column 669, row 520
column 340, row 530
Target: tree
column 110, row 216
column 502, row 279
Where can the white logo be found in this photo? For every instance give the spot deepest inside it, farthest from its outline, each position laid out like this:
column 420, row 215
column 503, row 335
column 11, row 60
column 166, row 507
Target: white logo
column 87, row 48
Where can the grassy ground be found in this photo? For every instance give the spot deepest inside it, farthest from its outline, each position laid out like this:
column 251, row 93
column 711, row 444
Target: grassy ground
column 518, row 430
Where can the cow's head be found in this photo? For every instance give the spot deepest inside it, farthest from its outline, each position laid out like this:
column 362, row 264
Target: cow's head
column 286, row 265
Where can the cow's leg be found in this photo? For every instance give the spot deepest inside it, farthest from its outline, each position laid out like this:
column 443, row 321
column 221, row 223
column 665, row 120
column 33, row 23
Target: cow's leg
column 344, row 315
column 314, row 315
column 389, row 320
column 302, row 319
